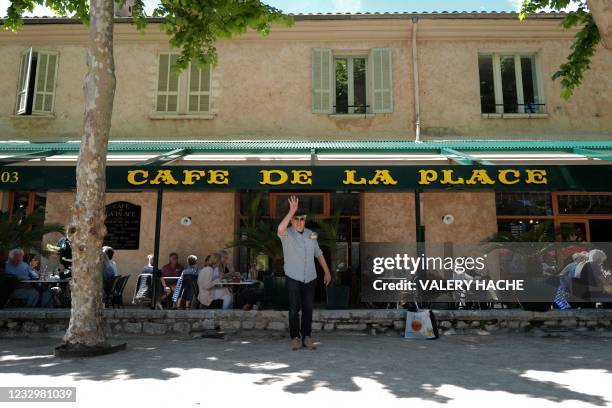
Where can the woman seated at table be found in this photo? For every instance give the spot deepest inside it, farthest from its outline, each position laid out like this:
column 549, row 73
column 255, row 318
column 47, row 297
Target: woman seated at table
column 206, row 283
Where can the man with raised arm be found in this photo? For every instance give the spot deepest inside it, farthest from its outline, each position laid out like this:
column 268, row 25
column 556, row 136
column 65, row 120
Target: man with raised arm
column 300, row 247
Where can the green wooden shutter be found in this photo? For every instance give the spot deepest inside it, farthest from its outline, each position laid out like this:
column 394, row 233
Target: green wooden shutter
column 322, row 80
column 382, row 84
column 199, row 88
column 44, row 89
column 23, row 86
column 167, row 84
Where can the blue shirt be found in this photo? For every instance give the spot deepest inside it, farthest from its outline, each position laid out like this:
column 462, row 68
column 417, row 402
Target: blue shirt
column 21, row 270
column 299, row 252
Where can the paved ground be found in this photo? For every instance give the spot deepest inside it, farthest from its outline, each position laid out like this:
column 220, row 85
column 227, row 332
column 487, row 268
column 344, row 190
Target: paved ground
column 348, row 370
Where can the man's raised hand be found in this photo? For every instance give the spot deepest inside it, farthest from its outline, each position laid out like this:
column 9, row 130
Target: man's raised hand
column 293, row 204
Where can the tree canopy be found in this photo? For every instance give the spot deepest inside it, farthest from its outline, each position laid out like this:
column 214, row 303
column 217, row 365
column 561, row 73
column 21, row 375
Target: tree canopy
column 588, row 37
column 193, row 26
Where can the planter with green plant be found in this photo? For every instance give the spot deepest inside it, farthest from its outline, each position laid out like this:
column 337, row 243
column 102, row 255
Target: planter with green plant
column 258, row 236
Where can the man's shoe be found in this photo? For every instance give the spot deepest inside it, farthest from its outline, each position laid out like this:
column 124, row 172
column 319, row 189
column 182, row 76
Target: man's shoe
column 296, row 344
column 309, row 343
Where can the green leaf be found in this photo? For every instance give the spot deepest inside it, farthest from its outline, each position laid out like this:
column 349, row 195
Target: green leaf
column 571, row 72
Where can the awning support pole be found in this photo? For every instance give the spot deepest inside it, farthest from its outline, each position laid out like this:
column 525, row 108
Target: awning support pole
column 158, row 219
column 420, row 232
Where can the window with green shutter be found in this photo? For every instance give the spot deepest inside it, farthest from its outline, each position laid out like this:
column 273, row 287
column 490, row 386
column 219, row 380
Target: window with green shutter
column 167, row 98
column 350, row 83
column 37, row 78
column 199, row 88
column 322, row 80
column 382, row 84
column 183, row 94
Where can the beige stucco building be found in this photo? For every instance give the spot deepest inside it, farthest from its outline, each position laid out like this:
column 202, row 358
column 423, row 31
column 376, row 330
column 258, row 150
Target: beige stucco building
column 438, row 78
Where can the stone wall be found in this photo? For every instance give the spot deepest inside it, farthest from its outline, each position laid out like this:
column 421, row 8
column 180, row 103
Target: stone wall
column 388, row 217
column 474, row 212
column 373, row 321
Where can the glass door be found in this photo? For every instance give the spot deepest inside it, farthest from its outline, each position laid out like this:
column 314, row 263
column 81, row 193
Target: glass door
column 574, row 230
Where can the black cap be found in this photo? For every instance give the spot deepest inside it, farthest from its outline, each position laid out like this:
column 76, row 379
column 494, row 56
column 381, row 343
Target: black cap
column 300, row 211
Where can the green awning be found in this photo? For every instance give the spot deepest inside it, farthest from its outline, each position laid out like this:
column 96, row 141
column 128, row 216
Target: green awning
column 461, row 152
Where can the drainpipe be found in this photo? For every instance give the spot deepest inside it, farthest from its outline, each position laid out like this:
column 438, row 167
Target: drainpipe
column 415, row 71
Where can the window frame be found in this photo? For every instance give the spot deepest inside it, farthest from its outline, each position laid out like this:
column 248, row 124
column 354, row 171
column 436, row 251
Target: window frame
column 31, row 201
column 518, row 72
column 27, row 78
column 557, row 218
column 183, row 93
column 350, row 57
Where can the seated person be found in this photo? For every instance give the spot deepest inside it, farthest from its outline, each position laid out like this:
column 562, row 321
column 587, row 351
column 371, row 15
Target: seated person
column 592, row 276
column 35, row 264
column 226, row 266
column 208, row 290
column 109, row 270
column 18, row 268
column 188, row 278
column 172, row 269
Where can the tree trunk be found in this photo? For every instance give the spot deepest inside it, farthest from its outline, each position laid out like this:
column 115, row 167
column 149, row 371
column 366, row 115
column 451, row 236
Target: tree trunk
column 602, row 14
column 86, row 229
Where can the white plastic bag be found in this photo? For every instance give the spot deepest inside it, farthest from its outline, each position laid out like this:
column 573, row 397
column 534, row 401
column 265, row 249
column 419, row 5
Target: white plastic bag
column 421, row 325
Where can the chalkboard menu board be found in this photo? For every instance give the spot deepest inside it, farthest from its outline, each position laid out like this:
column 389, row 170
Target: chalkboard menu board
column 122, row 225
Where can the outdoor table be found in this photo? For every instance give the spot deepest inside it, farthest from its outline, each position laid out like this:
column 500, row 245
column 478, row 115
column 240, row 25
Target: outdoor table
column 235, row 287
column 174, row 279
column 39, row 286
column 45, row 281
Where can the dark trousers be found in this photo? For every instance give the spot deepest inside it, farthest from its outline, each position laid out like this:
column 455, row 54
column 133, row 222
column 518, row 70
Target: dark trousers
column 301, row 296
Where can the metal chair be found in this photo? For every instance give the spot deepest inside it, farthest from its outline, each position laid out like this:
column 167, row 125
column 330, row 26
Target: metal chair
column 143, row 290
column 117, row 291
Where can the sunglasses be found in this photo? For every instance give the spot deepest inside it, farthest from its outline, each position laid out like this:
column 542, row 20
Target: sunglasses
column 299, row 218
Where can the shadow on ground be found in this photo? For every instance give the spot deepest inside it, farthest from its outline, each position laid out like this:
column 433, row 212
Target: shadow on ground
column 405, row 368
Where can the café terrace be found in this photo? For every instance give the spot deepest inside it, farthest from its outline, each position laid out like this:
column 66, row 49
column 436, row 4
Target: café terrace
column 431, row 129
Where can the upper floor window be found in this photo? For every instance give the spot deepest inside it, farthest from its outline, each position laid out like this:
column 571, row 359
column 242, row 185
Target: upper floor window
column 184, row 93
column 36, row 87
column 352, row 84
column 509, row 83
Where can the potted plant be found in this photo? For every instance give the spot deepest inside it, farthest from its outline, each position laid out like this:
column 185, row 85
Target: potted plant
column 337, row 292
column 258, row 235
